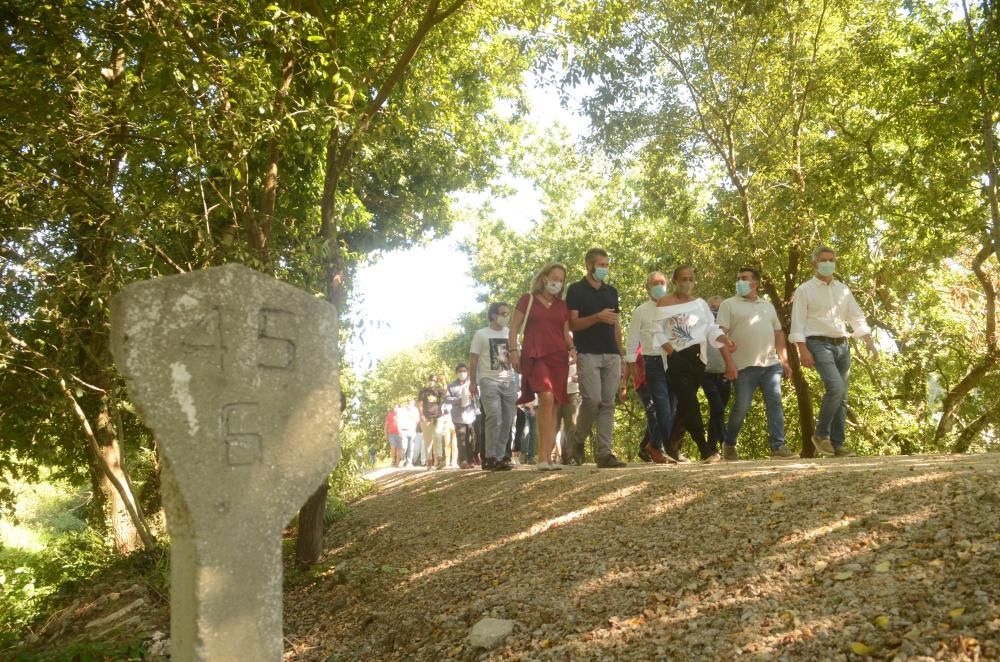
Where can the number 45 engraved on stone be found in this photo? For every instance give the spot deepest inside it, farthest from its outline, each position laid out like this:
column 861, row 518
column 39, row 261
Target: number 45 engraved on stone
column 276, row 337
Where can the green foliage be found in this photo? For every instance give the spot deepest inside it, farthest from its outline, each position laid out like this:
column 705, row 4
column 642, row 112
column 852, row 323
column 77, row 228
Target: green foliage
column 30, row 579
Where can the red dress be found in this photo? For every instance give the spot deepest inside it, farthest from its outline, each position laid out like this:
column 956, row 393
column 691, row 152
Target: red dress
column 544, row 356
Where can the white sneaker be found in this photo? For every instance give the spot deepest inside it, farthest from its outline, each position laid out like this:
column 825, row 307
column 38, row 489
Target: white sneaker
column 542, row 466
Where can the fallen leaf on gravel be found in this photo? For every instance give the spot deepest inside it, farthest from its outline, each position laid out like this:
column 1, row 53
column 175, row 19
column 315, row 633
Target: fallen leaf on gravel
column 841, row 576
column 882, row 622
column 883, row 566
column 820, row 566
column 955, row 613
column 861, row 649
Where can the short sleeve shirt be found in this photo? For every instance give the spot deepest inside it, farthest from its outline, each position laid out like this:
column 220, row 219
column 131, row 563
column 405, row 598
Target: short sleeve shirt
column 543, row 333
column 431, row 402
column 751, row 326
column 391, row 427
column 493, row 349
column 588, row 300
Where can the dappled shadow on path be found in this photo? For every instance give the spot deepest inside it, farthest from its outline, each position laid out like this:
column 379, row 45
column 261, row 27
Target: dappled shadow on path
column 803, row 559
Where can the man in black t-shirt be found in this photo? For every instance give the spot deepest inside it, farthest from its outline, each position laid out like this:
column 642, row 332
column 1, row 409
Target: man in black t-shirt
column 597, row 334
column 432, row 421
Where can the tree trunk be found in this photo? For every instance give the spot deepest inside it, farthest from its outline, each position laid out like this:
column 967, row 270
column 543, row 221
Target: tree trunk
column 123, row 530
column 804, row 399
column 309, row 542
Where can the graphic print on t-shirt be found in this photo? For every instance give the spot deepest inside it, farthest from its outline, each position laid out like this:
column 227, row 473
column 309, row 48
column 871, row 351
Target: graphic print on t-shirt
column 499, row 354
column 681, row 328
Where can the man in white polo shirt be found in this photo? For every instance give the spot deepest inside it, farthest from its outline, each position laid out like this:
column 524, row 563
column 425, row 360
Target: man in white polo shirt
column 822, row 309
column 761, row 358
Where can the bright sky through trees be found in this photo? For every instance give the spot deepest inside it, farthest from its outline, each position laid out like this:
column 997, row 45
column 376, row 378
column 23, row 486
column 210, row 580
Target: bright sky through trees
column 408, row 296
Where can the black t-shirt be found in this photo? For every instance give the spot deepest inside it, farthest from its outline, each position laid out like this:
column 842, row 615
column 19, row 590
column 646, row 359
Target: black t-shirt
column 431, row 400
column 583, row 298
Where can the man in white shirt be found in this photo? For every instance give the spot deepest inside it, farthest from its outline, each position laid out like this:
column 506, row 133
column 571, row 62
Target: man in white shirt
column 493, row 382
column 642, row 326
column 761, row 359
column 822, row 308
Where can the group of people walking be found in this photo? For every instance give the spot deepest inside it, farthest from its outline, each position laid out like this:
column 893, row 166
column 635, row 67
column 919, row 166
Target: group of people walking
column 676, row 344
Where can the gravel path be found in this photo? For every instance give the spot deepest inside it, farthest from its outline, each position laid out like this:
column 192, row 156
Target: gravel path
column 896, row 558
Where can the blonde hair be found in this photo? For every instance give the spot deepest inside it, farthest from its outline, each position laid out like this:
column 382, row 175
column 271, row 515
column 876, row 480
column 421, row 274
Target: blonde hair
column 538, row 285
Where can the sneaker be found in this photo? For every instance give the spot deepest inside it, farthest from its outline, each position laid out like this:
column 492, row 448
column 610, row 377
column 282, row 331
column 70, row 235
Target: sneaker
column 844, row 451
column 714, row 458
column 610, row 462
column 503, row 465
column 823, row 447
column 680, row 459
column 644, row 453
column 657, row 455
column 782, row 453
column 544, row 466
column 729, row 453
column 489, row 464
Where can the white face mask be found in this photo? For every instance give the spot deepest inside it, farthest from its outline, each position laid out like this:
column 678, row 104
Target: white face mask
column 826, row 268
column 553, row 288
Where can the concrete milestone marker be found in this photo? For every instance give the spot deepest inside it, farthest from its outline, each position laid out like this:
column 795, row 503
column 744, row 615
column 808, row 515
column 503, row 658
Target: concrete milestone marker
column 236, row 374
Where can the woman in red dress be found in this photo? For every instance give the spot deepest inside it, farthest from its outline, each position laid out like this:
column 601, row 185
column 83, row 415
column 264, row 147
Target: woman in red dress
column 543, row 357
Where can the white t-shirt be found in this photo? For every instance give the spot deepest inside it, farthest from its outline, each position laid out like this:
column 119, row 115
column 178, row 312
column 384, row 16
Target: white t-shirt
column 686, row 324
column 751, row 326
column 493, row 349
column 406, row 419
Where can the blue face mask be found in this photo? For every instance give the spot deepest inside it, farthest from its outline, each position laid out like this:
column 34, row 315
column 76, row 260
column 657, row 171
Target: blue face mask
column 600, row 273
column 658, row 291
column 826, row 268
column 742, row 288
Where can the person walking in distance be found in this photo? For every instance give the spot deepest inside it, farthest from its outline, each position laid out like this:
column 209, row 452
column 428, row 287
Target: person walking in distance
column 822, row 309
column 493, row 382
column 432, row 422
column 463, row 414
column 593, row 319
column 543, row 357
column 761, row 360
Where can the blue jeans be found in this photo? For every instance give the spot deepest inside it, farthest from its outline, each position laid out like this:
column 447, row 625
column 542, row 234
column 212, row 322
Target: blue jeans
column 768, row 380
column 833, row 363
column 716, row 389
column 663, row 404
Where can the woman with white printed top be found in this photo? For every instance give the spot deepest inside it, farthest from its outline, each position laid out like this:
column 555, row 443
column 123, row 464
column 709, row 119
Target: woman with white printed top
column 686, row 326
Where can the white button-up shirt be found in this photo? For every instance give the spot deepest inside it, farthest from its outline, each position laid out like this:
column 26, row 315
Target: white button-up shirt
column 821, row 309
column 641, row 329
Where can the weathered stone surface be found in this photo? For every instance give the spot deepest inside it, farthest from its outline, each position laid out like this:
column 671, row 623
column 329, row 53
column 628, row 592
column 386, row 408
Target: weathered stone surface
column 489, row 632
column 236, row 374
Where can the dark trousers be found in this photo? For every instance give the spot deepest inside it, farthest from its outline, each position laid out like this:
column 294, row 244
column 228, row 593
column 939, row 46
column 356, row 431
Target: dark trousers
column 466, row 442
column 652, row 435
column 479, row 427
column 717, row 389
column 520, row 420
column 662, row 399
column 684, row 374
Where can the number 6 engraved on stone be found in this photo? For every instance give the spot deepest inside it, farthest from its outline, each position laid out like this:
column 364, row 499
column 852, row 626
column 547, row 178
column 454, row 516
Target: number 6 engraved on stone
column 276, row 337
column 207, row 335
column 240, row 424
